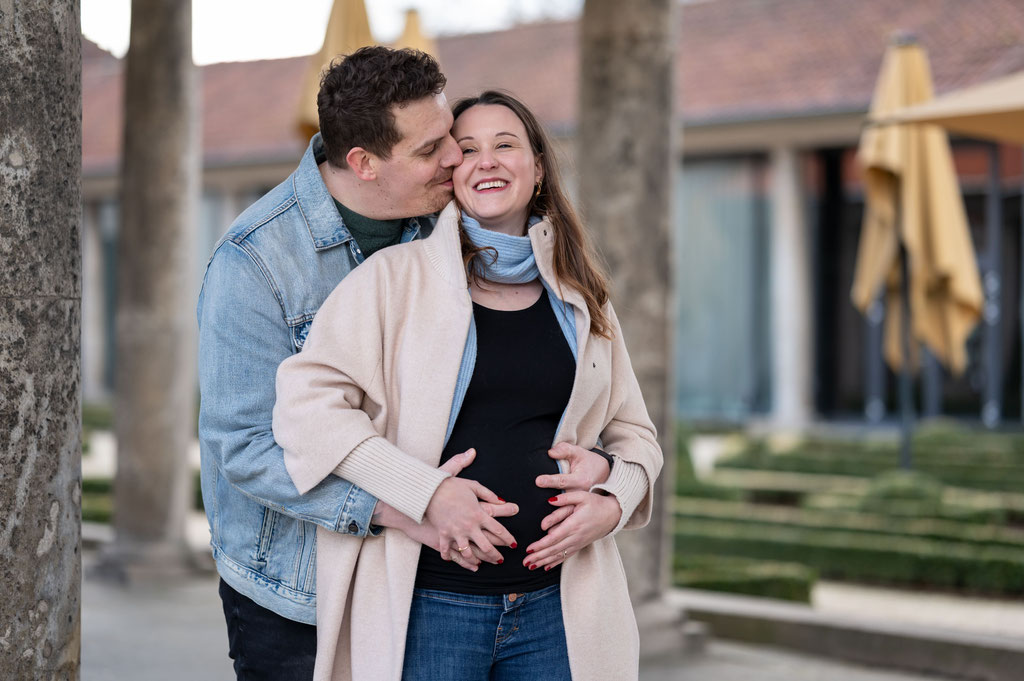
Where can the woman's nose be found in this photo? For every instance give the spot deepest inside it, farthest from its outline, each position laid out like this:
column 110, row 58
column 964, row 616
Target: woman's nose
column 486, row 161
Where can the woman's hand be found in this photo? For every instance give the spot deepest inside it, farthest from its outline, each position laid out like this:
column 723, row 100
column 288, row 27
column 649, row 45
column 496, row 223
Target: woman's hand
column 587, row 517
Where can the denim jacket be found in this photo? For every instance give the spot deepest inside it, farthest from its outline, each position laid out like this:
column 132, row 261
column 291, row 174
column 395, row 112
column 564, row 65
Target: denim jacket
column 264, row 283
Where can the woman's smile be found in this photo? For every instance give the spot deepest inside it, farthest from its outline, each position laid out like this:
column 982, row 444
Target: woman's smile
column 499, row 170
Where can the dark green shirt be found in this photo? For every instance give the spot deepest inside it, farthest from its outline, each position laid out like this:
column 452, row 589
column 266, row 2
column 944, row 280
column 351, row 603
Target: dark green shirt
column 371, row 235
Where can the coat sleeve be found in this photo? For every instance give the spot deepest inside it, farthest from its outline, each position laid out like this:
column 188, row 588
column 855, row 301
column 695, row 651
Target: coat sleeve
column 330, row 410
column 630, row 436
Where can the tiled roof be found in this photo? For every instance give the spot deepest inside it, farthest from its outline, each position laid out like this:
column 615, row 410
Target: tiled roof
column 248, row 111
column 101, row 109
column 755, row 59
column 737, row 60
column 537, row 62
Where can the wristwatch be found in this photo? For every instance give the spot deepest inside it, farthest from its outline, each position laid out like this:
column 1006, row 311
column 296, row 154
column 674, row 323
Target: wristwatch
column 606, row 456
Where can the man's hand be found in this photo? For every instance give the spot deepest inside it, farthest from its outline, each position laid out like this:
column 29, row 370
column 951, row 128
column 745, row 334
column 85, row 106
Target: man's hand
column 427, row 533
column 590, row 517
column 586, row 469
column 462, row 512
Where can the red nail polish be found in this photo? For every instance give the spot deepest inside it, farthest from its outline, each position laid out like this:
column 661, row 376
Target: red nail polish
column 532, row 566
column 501, row 500
column 546, row 568
column 529, row 551
column 512, row 545
column 552, row 500
column 500, row 561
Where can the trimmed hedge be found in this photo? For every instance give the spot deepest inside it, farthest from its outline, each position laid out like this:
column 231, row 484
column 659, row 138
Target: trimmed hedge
column 974, row 449
column 965, row 467
column 863, row 557
column 97, row 508
column 849, row 521
column 97, row 486
column 98, row 498
column 97, row 416
column 803, row 489
column 985, row 514
column 729, row 574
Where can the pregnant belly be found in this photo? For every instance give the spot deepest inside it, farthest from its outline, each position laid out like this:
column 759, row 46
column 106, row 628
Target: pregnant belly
column 511, row 474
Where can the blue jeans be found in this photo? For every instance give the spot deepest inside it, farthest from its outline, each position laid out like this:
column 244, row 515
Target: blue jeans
column 512, row 637
column 264, row 645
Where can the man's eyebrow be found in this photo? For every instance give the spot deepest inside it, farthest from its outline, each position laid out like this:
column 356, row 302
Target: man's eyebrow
column 429, row 143
column 499, row 134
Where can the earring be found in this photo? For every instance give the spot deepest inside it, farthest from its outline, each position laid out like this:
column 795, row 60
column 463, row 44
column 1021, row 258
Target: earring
column 536, row 193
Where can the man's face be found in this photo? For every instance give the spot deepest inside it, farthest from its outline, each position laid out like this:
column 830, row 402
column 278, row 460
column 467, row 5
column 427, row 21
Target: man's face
column 417, row 178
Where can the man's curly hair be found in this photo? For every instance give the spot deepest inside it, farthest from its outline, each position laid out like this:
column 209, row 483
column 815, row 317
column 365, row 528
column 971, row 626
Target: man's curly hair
column 358, row 91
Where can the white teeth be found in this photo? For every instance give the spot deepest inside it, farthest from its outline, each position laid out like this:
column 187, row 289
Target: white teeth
column 493, row 184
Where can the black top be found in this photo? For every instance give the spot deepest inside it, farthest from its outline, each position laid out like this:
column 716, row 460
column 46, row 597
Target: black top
column 514, row 403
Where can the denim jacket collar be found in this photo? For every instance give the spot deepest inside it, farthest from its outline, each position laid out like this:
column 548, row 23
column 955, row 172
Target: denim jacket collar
column 323, row 222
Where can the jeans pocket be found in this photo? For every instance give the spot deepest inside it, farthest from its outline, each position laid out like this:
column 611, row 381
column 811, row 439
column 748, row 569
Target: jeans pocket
column 299, row 332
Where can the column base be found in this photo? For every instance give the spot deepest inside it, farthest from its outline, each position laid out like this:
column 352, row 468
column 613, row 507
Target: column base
column 126, row 562
column 665, row 630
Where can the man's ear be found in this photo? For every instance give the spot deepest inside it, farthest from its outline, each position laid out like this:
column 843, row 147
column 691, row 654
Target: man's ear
column 362, row 163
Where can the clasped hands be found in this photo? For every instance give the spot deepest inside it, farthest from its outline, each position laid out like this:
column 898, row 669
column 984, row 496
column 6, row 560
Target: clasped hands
column 462, row 514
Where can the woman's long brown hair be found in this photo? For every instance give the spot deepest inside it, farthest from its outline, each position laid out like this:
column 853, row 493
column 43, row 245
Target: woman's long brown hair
column 576, row 262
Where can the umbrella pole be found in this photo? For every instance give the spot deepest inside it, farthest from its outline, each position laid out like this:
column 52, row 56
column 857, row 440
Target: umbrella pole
column 906, row 387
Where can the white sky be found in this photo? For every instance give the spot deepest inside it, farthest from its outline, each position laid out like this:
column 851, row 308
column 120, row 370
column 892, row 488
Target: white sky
column 241, row 30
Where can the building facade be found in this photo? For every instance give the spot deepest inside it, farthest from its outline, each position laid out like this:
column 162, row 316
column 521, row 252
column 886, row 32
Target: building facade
column 771, row 98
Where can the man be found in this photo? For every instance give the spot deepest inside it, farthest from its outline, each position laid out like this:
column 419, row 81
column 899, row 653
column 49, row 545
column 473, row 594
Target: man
column 384, row 154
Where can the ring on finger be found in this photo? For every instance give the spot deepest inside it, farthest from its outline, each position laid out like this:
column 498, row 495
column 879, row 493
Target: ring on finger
column 463, row 548
column 564, row 552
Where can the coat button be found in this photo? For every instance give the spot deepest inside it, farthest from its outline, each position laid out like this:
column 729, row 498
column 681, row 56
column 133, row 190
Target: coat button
column 353, row 528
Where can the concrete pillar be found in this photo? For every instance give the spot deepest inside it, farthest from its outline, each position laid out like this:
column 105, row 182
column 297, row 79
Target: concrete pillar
column 40, row 353
column 792, row 325
column 94, row 388
column 992, row 316
column 626, row 158
column 155, row 308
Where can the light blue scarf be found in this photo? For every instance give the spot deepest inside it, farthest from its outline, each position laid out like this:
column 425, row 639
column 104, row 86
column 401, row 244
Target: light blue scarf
column 515, row 264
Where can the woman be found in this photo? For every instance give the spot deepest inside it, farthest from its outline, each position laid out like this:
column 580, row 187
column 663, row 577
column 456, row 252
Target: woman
column 494, row 333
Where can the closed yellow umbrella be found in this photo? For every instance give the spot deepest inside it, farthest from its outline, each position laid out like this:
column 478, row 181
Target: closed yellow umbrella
column 414, row 37
column 348, row 29
column 991, row 110
column 912, row 197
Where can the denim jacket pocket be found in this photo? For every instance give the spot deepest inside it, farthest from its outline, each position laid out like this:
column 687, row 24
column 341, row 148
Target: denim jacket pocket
column 266, row 537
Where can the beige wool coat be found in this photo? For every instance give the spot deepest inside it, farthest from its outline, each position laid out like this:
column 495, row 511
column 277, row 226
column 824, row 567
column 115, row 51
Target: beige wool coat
column 368, row 399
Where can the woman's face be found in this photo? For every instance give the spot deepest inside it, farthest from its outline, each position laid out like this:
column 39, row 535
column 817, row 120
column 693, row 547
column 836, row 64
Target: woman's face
column 499, row 172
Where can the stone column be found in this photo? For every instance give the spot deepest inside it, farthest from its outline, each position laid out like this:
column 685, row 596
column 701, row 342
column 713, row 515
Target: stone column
column 93, row 304
column 155, row 374
column 992, row 314
column 792, row 328
column 40, row 312
column 626, row 155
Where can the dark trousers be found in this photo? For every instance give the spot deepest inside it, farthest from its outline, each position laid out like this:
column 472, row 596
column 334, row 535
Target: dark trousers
column 264, row 645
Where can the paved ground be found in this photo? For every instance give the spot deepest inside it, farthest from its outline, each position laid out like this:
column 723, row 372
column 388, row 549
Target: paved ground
column 175, row 631
column 726, row 661
column 999, row 617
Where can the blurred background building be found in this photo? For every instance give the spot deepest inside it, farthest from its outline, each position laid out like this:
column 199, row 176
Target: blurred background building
column 771, row 100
